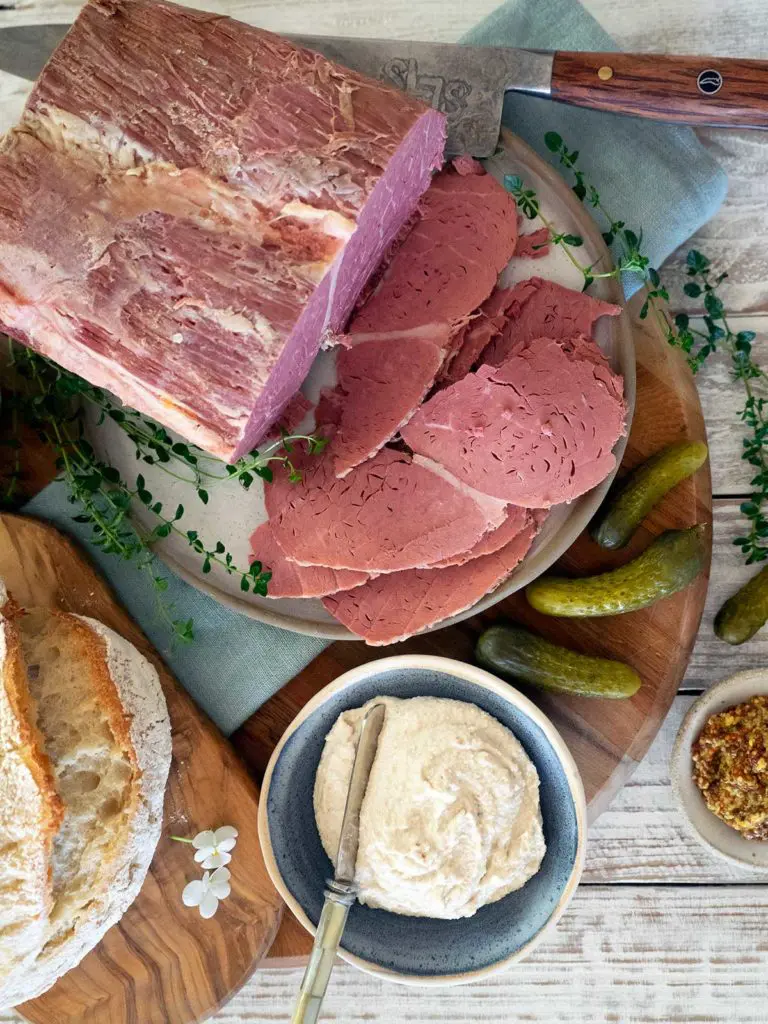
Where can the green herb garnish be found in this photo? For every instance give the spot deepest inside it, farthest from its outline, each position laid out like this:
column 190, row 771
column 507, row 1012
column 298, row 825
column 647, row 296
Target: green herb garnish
column 51, row 399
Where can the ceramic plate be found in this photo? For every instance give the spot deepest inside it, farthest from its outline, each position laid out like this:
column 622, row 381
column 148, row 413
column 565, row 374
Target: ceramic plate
column 231, row 514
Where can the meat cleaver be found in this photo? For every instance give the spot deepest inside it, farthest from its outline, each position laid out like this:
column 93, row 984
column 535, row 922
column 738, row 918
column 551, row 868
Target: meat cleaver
column 468, row 83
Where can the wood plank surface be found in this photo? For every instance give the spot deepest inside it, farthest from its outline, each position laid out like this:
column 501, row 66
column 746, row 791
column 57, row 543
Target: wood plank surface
column 620, row 955
column 163, row 964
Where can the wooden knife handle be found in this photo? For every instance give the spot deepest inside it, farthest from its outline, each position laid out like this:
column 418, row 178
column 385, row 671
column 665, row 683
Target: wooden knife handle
column 722, row 91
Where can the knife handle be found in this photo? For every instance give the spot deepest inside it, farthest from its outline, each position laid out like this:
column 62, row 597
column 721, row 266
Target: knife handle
column 722, row 91
column 339, row 897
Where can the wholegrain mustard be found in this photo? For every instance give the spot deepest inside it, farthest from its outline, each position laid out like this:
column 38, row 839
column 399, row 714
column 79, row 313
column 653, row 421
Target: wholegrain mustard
column 730, row 766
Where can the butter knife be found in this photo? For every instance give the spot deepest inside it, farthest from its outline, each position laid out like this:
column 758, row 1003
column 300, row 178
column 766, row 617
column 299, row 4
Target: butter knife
column 468, row 83
column 342, row 890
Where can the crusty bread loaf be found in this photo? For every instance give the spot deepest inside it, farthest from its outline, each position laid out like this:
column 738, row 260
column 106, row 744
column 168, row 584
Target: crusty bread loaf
column 104, row 726
column 28, row 791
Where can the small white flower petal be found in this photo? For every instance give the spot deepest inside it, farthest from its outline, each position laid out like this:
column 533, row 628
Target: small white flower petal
column 193, row 893
column 226, row 845
column 202, row 854
column 204, row 839
column 217, row 860
column 221, row 875
column 224, row 834
column 221, row 890
column 209, row 905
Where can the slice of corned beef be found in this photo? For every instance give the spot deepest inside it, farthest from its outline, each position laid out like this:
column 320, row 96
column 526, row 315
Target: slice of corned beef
column 394, row 607
column 433, row 280
column 381, row 381
column 517, row 520
column 474, row 338
column 536, row 431
column 292, row 580
column 390, row 513
column 543, row 309
column 534, row 245
column 450, row 261
column 189, row 202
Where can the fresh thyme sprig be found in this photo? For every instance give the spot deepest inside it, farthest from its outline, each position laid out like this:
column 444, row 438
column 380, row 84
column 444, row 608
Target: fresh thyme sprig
column 697, row 344
column 49, row 399
column 155, row 446
column 701, row 344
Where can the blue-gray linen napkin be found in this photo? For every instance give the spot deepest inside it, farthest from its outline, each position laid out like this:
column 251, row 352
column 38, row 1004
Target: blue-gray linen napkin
column 651, row 175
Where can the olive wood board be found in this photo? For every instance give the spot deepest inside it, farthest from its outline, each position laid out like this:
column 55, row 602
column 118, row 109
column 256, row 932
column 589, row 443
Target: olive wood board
column 162, row 963
column 607, row 738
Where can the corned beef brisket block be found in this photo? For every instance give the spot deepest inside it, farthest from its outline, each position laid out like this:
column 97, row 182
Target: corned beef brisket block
column 188, row 203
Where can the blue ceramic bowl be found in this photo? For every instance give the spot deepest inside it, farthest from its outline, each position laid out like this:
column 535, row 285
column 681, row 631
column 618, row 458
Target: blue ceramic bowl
column 413, row 950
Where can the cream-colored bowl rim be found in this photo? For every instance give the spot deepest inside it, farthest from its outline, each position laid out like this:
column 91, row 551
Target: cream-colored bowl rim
column 479, row 677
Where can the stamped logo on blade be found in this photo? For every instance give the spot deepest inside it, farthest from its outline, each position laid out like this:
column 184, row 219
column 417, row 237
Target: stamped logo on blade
column 709, row 82
column 449, row 96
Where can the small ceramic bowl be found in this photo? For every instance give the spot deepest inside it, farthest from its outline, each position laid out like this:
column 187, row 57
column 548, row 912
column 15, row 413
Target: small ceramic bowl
column 419, row 950
column 706, row 826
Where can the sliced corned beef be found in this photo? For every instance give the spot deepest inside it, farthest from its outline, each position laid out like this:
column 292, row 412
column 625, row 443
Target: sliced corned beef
column 449, row 263
column 188, row 202
column 394, row 607
column 466, row 164
column 534, row 245
column 581, row 347
column 381, row 381
column 537, row 430
column 328, row 410
column 517, row 520
column 292, row 580
column 543, row 309
column 474, row 338
column 434, row 279
column 390, row 513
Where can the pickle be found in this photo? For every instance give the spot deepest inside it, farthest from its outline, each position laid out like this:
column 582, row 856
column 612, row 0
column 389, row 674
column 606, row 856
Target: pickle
column 517, row 655
column 667, row 565
column 745, row 612
column 623, row 512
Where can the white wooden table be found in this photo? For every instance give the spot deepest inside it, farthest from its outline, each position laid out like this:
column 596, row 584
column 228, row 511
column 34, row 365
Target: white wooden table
column 659, row 930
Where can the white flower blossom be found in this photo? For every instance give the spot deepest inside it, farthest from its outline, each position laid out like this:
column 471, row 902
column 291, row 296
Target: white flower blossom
column 212, row 849
column 205, row 893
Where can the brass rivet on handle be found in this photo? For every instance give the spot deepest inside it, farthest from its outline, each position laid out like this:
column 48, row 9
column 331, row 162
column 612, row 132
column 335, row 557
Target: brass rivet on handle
column 604, row 73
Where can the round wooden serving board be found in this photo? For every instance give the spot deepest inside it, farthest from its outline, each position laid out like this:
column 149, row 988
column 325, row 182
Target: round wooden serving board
column 162, row 964
column 607, row 738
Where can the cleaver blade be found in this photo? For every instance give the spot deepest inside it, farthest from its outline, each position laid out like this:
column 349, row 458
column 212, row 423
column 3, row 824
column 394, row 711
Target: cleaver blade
column 466, row 83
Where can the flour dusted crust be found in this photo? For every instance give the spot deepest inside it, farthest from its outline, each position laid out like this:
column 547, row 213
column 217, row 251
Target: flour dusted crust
column 129, row 692
column 28, row 791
